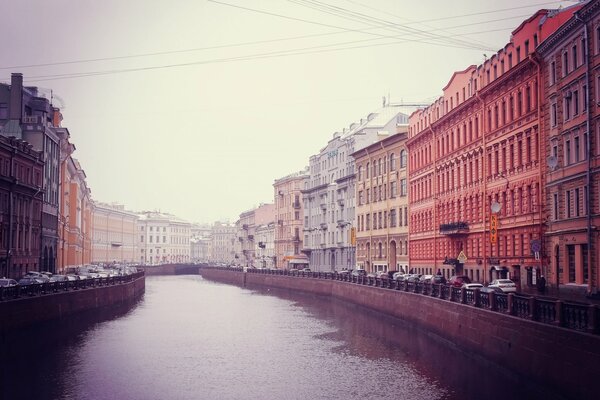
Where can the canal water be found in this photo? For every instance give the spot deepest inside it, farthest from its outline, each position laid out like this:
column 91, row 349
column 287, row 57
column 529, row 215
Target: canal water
column 190, row 338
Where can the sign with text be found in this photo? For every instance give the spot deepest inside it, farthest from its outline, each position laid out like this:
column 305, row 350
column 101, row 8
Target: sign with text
column 494, row 228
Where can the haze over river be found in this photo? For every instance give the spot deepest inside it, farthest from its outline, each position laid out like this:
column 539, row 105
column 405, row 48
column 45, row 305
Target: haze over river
column 190, row 338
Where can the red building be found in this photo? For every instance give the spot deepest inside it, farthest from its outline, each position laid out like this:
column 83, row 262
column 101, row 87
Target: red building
column 21, row 170
column 476, row 165
column 571, row 57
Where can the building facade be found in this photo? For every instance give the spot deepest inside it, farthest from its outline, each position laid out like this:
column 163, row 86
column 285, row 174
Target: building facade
column 265, row 246
column 115, row 235
column 27, row 115
column 223, row 243
column 571, row 81
column 163, row 238
column 289, row 211
column 329, row 193
column 382, row 205
column 21, row 170
column 476, row 165
column 247, row 245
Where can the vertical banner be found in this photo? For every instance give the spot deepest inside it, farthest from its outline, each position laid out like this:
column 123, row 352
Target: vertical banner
column 353, row 236
column 494, row 228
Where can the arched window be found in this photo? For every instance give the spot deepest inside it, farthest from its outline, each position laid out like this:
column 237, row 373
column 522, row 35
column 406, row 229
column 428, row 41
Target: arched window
column 360, row 173
column 403, row 159
column 392, row 162
column 367, row 171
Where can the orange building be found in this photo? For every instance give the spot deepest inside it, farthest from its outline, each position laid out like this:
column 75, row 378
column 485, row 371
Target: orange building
column 476, row 165
column 289, row 211
column 75, row 207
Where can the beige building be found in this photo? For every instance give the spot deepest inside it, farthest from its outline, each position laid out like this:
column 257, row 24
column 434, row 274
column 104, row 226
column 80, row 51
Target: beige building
column 289, row 212
column 114, row 234
column 382, row 205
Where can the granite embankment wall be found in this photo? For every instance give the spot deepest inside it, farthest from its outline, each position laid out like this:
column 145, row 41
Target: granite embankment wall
column 566, row 360
column 30, row 310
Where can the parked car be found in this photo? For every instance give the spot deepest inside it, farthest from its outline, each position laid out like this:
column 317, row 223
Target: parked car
column 438, row 279
column 391, row 274
column 359, row 272
column 305, row 269
column 413, row 277
column 426, row 278
column 25, row 281
column 458, row 280
column 382, row 275
column 58, row 278
column 5, row 282
column 400, row 276
column 472, row 286
column 506, row 285
column 72, row 277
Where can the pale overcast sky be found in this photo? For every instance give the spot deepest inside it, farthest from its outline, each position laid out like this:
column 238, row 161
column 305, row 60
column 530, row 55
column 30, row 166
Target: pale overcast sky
column 243, row 91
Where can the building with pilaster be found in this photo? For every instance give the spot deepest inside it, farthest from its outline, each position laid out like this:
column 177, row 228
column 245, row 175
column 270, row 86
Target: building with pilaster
column 476, row 165
column 329, row 193
column 25, row 114
column 382, row 205
column 289, row 211
column 115, row 235
column 223, row 242
column 21, row 170
column 570, row 58
column 164, row 238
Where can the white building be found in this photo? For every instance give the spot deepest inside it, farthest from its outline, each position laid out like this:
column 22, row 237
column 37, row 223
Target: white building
column 223, row 238
column 164, row 238
column 329, row 195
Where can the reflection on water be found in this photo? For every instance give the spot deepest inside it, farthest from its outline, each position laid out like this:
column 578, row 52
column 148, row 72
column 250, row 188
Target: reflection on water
column 194, row 339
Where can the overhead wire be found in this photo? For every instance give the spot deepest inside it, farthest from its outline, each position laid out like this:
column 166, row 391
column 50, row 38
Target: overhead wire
column 340, row 30
column 345, row 13
column 275, row 54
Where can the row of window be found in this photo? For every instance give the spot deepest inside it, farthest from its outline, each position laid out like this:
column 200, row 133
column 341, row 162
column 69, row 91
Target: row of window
column 366, row 249
column 380, row 193
column 574, row 202
column 574, row 103
column 395, row 218
column 379, row 167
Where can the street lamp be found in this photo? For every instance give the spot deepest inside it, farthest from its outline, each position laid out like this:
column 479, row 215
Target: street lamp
column 495, row 207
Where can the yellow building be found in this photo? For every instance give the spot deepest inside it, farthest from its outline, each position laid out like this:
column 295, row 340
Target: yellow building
column 114, row 234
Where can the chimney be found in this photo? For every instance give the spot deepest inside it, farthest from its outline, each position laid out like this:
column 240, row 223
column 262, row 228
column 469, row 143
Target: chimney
column 56, row 117
column 16, row 96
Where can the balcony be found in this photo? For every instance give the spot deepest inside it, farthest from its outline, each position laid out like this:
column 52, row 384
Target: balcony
column 296, row 239
column 116, row 244
column 280, row 222
column 245, row 227
column 251, row 237
column 323, row 225
column 296, row 205
column 454, row 228
column 341, row 202
column 323, row 245
column 241, row 238
column 324, row 205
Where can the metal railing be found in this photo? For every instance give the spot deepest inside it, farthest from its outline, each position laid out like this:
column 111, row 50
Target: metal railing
column 49, row 288
column 577, row 316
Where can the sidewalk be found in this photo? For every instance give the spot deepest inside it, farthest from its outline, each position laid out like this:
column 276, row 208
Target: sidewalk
column 565, row 293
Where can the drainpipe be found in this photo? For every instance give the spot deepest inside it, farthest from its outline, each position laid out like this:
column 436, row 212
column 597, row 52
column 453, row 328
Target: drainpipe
column 589, row 158
column 10, row 214
column 387, row 202
column 541, row 201
column 435, row 198
column 484, row 177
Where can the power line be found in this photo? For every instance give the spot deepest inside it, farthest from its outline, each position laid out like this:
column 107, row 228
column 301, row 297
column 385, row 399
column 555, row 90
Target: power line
column 341, row 30
column 275, row 54
column 345, row 13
